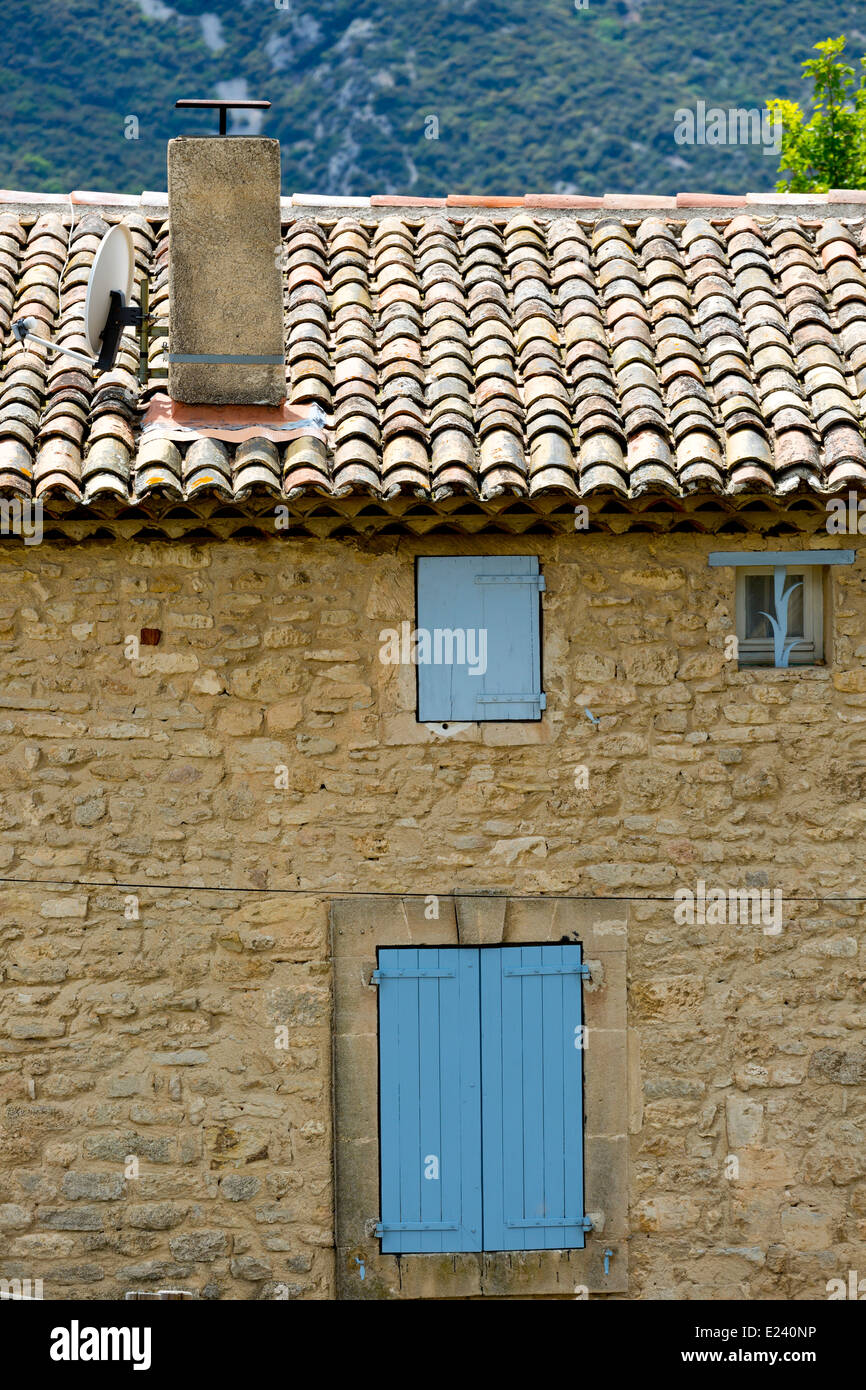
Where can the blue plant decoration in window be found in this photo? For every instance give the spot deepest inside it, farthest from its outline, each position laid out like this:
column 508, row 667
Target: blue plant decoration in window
column 782, row 645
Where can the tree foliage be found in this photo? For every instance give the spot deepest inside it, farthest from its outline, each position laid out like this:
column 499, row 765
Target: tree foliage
column 827, row 150
column 540, row 97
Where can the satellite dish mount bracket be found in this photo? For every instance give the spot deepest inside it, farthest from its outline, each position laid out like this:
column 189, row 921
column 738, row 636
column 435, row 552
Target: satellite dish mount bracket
column 120, row 315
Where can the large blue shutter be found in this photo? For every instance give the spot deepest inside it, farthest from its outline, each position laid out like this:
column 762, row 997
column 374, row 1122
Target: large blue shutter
column 500, row 595
column 532, row 1097
column 429, row 1098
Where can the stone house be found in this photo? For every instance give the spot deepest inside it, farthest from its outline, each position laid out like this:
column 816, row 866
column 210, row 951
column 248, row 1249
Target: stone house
column 289, row 904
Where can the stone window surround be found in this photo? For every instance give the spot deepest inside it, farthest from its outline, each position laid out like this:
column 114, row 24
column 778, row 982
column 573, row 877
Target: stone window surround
column 361, row 924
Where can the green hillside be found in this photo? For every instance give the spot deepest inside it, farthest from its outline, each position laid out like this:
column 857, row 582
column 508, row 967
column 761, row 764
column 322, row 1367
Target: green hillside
column 528, row 97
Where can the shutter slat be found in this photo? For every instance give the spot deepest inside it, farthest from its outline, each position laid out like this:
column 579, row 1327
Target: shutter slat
column 391, row 1059
column 551, row 986
column 449, row 1193
column 571, row 1113
column 467, row 1105
column 409, row 1063
column 430, row 1135
column 494, row 1065
column 528, row 999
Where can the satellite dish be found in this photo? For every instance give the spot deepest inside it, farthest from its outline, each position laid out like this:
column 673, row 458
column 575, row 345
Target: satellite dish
column 112, row 270
column 107, row 310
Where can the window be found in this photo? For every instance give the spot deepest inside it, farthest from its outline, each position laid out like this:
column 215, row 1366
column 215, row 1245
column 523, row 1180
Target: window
column 780, row 615
column 481, row 1098
column 780, row 603
column 478, row 639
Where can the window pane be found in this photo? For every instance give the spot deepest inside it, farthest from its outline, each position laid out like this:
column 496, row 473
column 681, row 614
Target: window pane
column 795, row 604
column 760, row 600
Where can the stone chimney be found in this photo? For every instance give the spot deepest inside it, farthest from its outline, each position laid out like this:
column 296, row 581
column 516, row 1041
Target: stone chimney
column 225, row 288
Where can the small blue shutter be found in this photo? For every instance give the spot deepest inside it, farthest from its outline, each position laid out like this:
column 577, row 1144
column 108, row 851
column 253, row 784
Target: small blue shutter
column 429, row 1099
column 532, row 1097
column 494, row 594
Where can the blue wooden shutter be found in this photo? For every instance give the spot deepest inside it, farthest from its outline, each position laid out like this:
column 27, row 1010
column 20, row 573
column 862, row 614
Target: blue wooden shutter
column 429, row 1099
column 497, row 594
column 532, row 1097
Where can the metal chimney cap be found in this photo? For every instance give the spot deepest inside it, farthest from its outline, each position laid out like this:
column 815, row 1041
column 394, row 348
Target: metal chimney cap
column 223, row 105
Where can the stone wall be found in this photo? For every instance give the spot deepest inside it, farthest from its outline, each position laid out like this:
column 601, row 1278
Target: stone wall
column 165, row 1001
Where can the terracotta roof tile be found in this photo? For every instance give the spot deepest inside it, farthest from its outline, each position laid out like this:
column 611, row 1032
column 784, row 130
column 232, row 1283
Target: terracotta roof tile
column 12, row 195
column 318, row 200
column 475, row 200
column 437, row 349
column 782, row 199
column 86, row 196
column 628, row 201
column 561, row 200
column 403, row 200
column 710, row 200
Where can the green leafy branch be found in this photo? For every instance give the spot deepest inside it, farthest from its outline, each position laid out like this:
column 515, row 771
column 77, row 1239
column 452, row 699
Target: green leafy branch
column 828, row 150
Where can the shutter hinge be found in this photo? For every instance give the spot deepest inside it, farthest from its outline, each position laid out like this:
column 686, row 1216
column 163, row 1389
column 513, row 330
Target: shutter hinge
column 411, row 974
column 384, row 1227
column 535, row 581
column 537, row 698
column 583, row 1223
column 547, row 970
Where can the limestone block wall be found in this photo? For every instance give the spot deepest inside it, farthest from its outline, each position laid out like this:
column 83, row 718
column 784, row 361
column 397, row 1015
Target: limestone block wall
column 174, row 824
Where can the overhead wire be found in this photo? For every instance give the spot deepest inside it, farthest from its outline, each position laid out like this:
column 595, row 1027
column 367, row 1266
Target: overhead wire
column 334, row 892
